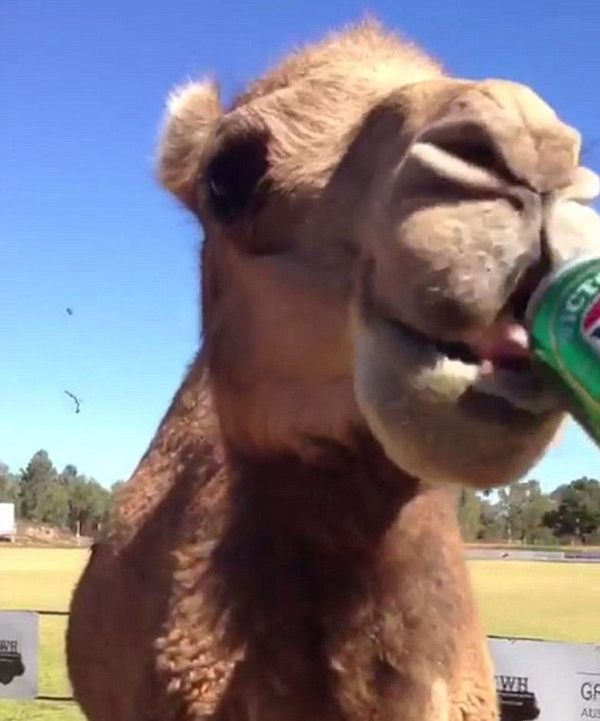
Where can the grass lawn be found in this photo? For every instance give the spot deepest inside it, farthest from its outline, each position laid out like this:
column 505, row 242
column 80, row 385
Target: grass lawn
column 555, row 601
column 551, row 601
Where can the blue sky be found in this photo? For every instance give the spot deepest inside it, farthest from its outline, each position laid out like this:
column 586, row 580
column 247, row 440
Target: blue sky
column 83, row 224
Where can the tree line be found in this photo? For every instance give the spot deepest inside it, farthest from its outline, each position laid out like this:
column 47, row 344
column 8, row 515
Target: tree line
column 522, row 513
column 66, row 499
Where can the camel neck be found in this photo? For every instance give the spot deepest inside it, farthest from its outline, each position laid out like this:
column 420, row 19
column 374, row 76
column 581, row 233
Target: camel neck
column 310, row 548
column 341, row 501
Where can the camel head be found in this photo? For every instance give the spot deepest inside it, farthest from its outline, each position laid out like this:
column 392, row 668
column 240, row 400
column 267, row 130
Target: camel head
column 373, row 230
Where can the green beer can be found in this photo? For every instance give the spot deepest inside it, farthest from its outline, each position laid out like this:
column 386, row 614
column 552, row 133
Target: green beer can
column 563, row 320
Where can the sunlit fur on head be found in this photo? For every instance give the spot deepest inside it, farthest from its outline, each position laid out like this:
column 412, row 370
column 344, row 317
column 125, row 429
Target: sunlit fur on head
column 357, row 66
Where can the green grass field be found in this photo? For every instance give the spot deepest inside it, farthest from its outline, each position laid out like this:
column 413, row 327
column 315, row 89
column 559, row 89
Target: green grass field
column 542, row 600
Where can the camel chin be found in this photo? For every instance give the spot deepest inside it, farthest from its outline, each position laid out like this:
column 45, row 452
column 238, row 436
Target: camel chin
column 442, row 419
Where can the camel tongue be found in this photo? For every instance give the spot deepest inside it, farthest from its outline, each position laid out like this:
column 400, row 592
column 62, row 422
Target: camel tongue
column 504, row 344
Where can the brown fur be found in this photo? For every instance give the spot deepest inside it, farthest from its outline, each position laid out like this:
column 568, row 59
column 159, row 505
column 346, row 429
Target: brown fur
column 288, row 546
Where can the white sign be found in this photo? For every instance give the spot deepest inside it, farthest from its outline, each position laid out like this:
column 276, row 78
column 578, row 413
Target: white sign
column 547, row 681
column 7, row 519
column 19, row 654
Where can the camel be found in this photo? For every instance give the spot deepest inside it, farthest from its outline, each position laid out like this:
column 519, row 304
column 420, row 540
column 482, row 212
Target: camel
column 288, row 546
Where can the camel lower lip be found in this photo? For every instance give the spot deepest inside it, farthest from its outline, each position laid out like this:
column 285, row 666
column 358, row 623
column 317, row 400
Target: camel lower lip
column 522, row 389
column 514, row 383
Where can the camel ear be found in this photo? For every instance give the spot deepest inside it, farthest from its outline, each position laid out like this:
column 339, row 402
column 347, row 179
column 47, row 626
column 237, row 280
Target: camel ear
column 192, row 113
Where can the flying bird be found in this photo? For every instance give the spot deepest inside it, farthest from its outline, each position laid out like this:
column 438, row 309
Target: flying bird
column 69, row 311
column 76, row 400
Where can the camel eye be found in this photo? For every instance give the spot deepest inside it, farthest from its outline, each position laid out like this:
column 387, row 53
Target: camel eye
column 234, row 175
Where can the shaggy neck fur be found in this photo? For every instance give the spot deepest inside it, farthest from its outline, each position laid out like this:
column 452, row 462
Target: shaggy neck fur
column 302, row 536
column 335, row 585
column 332, row 580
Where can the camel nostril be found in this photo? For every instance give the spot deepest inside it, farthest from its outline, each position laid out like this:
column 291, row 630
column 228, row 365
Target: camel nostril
column 474, row 153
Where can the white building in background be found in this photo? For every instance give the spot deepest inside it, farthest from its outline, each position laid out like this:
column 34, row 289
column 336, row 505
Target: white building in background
column 8, row 523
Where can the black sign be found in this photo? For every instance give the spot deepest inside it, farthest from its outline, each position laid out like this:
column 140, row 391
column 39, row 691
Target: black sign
column 11, row 662
column 517, row 702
